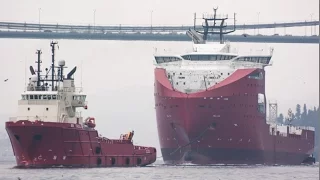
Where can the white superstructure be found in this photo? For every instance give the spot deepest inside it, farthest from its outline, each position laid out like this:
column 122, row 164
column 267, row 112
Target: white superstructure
column 52, row 106
column 207, row 65
column 55, row 103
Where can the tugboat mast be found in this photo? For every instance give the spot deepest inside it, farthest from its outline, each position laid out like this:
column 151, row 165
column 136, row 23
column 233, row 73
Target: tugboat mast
column 39, row 68
column 43, row 79
column 52, row 65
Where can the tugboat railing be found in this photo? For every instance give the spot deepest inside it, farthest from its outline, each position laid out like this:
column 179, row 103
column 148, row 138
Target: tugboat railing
column 37, row 102
column 18, row 118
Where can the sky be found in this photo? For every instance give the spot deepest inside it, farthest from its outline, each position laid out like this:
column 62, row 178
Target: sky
column 164, row 12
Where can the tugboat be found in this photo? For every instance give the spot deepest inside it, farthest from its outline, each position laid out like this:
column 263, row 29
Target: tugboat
column 49, row 132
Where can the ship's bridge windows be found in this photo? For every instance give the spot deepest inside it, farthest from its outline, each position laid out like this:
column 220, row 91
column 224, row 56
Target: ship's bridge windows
column 263, row 60
column 79, row 97
column 54, row 96
column 213, row 58
column 166, row 59
column 210, row 57
column 40, row 97
column 203, row 57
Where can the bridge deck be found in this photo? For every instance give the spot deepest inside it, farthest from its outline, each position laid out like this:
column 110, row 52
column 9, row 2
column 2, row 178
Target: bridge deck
column 125, row 28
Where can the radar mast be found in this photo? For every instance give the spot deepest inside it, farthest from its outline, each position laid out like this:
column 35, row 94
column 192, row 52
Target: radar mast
column 42, row 80
column 213, row 24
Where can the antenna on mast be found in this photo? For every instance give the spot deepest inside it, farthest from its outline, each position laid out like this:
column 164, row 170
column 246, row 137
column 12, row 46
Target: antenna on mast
column 213, row 24
column 81, row 74
column 194, row 20
column 25, row 73
column 215, row 10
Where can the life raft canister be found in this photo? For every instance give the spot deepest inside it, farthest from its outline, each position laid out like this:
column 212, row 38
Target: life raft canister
column 91, row 122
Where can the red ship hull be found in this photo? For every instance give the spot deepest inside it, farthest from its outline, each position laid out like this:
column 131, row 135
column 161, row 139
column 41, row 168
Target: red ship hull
column 222, row 125
column 48, row 144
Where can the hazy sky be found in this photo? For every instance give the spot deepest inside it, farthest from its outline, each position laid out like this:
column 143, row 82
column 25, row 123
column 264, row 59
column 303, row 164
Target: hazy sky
column 164, row 11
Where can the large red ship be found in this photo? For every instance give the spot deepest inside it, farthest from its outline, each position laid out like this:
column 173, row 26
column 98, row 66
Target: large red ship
column 49, row 131
column 211, row 106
